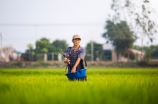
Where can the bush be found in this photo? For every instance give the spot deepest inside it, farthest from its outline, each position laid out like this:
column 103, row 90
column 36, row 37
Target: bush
column 142, row 63
column 39, row 57
column 14, row 65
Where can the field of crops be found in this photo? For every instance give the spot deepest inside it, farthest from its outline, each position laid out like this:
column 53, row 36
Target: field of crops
column 104, row 86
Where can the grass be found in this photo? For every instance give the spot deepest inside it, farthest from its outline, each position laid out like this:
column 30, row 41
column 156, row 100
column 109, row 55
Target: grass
column 104, row 86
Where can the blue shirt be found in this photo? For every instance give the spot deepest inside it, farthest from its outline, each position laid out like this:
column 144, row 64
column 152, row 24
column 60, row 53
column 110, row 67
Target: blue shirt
column 73, row 56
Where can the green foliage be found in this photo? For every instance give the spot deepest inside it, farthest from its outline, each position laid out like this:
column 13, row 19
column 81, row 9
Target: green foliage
column 44, row 50
column 137, row 47
column 142, row 63
column 104, row 86
column 97, row 50
column 25, row 56
column 14, row 65
column 44, row 46
column 39, row 57
column 51, row 48
column 120, row 35
column 154, row 54
column 60, row 45
column 131, row 56
column 153, row 50
column 147, row 56
column 30, row 46
column 42, row 64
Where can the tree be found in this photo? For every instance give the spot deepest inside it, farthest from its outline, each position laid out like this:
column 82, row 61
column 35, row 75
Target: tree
column 148, row 53
column 32, row 53
column 44, row 50
column 97, row 48
column 120, row 36
column 154, row 54
column 137, row 15
column 42, row 45
column 30, row 46
column 60, row 45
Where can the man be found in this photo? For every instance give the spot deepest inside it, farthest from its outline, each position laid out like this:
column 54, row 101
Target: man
column 75, row 55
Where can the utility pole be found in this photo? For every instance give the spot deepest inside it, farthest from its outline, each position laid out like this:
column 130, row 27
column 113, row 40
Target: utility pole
column 92, row 51
column 35, row 34
column 52, row 56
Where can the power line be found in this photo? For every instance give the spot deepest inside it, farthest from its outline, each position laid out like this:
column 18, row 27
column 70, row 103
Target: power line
column 20, row 39
column 73, row 24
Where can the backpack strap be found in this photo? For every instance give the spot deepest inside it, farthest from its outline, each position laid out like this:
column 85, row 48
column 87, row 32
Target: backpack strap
column 67, row 67
column 71, row 48
column 85, row 63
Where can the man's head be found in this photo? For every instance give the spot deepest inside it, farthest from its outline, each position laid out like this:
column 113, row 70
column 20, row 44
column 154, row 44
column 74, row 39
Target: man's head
column 76, row 40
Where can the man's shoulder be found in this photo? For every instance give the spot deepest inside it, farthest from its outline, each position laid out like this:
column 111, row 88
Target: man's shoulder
column 81, row 48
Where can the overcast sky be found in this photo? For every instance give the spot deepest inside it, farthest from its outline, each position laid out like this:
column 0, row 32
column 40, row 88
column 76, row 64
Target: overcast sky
column 25, row 21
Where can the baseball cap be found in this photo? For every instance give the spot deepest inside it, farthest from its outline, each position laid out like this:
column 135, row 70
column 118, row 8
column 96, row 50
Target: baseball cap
column 76, row 36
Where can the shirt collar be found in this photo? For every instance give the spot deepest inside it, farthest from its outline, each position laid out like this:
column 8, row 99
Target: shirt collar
column 78, row 48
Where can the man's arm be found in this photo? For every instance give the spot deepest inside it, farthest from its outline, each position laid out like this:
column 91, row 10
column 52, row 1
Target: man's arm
column 66, row 55
column 76, row 64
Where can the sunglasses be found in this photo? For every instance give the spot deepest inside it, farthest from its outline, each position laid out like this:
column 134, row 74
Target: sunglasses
column 77, row 39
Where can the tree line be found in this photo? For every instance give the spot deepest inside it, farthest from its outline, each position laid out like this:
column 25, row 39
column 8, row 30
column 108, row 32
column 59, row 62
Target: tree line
column 44, row 45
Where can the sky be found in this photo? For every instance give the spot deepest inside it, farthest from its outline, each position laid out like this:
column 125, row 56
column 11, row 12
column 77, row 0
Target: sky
column 24, row 21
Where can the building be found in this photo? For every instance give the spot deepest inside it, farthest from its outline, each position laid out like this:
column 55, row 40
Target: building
column 8, row 54
column 109, row 54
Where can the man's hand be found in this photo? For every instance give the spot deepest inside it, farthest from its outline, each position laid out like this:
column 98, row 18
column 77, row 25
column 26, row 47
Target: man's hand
column 76, row 64
column 73, row 70
column 66, row 60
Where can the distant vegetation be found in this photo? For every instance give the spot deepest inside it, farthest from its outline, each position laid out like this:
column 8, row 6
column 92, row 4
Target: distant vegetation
column 153, row 50
column 44, row 46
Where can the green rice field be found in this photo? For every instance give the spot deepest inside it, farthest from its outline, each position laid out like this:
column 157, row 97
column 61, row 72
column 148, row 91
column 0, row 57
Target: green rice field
column 104, row 86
